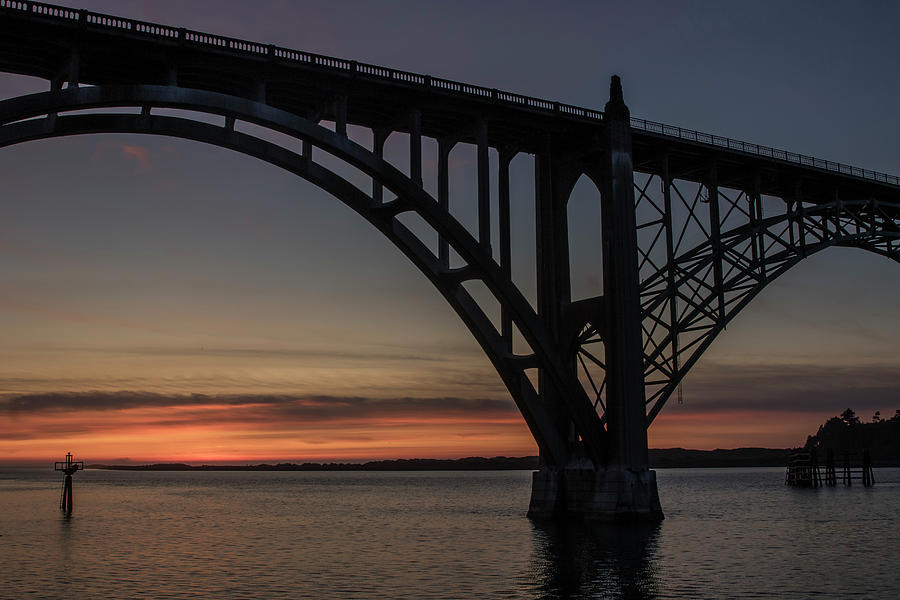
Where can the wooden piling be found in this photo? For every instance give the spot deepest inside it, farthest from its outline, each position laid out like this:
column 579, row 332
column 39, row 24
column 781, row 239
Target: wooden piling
column 830, row 473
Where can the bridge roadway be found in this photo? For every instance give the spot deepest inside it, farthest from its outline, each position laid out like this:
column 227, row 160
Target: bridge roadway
column 40, row 40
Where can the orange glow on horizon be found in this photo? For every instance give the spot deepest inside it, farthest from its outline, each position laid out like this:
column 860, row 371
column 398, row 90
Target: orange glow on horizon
column 220, row 433
column 149, row 435
column 711, row 430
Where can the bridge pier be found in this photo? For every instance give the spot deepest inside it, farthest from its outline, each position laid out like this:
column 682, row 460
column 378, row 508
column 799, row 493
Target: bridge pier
column 604, row 494
column 619, row 483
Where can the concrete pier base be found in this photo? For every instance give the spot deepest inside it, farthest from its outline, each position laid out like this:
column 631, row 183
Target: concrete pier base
column 595, row 494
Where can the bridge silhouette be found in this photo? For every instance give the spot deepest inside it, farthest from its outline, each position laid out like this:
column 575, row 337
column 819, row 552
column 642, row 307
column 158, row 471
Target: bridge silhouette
column 694, row 225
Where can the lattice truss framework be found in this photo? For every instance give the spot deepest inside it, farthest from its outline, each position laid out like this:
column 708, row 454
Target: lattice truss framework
column 706, row 250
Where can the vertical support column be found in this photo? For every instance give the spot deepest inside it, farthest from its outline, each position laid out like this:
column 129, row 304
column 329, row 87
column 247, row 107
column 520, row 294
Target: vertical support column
column 801, row 218
column 552, row 254
column 623, row 487
column 74, row 69
column 415, row 146
column 759, row 248
column 259, row 92
column 552, row 245
column 823, row 221
column 379, row 137
column 792, row 220
column 505, row 240
column 715, row 227
column 484, row 188
column 838, row 210
column 340, row 115
column 670, row 259
column 444, row 148
column 625, row 405
column 873, row 215
column 754, row 225
column 306, row 149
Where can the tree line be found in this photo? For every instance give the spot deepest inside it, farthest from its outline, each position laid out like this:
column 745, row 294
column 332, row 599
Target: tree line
column 847, row 433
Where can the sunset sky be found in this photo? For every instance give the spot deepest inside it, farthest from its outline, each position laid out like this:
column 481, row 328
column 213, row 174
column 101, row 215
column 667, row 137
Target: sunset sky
column 164, row 300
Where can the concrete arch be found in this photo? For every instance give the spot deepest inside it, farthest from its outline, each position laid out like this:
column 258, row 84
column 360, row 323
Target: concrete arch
column 41, row 116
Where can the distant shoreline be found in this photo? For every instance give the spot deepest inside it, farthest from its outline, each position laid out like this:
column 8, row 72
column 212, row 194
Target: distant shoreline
column 659, row 458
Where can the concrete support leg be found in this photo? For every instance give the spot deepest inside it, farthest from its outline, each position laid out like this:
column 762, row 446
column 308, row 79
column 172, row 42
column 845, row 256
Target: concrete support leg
column 610, row 494
column 622, row 487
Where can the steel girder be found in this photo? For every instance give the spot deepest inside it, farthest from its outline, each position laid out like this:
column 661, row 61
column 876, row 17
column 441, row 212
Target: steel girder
column 708, row 250
column 20, row 122
column 705, row 251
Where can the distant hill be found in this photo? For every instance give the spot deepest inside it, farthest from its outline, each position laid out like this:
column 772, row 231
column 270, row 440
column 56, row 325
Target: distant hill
column 659, row 458
column 737, row 457
column 844, row 433
column 474, row 463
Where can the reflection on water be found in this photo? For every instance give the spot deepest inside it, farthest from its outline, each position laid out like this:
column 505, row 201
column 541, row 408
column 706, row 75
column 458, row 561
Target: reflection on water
column 602, row 560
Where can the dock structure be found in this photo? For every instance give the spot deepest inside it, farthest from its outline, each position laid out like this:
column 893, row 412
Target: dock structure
column 863, row 472
column 69, row 467
column 830, row 473
column 803, row 469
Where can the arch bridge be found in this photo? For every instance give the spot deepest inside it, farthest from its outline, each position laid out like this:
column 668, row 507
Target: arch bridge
column 693, row 225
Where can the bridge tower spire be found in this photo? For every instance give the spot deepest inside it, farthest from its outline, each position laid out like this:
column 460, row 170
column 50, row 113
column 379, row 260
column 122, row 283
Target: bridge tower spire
column 620, row 484
column 626, row 417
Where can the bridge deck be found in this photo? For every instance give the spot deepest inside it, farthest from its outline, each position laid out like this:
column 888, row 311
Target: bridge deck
column 38, row 39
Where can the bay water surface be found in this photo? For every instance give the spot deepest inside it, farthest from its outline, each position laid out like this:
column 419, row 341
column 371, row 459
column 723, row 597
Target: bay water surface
column 728, row 533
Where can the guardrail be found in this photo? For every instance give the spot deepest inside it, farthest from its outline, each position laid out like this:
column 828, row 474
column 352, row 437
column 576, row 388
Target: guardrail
column 354, row 68
column 756, row 149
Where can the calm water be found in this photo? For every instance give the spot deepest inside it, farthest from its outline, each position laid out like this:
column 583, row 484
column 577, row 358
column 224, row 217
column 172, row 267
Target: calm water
column 736, row 533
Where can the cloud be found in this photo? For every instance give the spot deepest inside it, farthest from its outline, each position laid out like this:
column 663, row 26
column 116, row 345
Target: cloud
column 200, row 427
column 136, row 154
column 71, row 316
column 730, row 387
column 257, row 407
column 270, row 353
column 141, row 156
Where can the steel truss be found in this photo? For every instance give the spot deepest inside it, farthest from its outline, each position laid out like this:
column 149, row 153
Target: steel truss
column 709, row 249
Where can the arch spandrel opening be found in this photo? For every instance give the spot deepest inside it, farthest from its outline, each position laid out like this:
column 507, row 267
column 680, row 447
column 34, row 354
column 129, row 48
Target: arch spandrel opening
column 20, row 85
column 585, row 247
column 522, row 226
column 585, row 240
column 463, row 162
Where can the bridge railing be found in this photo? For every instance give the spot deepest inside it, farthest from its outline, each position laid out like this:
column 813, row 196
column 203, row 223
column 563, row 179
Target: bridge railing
column 750, row 148
column 356, row 69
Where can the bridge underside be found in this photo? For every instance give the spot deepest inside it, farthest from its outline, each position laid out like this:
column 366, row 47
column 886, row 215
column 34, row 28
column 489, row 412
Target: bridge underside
column 691, row 230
